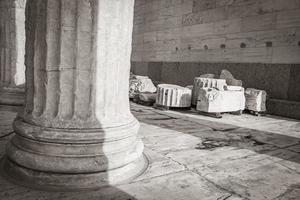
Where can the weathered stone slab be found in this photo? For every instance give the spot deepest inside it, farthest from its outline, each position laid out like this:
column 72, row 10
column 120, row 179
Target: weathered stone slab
column 265, row 182
column 159, row 165
column 177, row 186
column 176, row 141
column 243, row 171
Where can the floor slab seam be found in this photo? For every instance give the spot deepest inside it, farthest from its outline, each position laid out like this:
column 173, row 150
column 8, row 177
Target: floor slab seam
column 153, row 177
column 219, row 186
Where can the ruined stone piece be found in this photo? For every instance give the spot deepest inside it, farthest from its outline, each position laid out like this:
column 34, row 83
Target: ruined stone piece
column 214, row 101
column 173, row 96
column 255, row 100
column 77, row 131
column 230, row 80
column 12, row 49
column 140, row 84
column 200, row 83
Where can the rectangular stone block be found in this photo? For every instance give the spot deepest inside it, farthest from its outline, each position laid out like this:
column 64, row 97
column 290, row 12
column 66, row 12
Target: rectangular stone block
column 214, row 101
column 255, row 100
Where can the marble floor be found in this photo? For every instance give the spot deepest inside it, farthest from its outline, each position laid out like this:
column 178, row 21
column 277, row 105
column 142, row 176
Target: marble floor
column 195, row 157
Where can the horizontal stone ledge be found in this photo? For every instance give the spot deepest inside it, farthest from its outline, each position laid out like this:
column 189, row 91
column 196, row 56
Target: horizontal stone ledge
column 284, row 108
column 73, row 182
column 76, row 136
column 74, row 163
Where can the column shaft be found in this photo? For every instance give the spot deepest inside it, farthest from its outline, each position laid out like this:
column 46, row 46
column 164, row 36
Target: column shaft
column 77, row 122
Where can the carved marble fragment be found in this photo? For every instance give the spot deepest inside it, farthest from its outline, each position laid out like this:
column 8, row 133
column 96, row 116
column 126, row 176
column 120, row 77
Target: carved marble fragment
column 215, row 96
column 200, row 82
column 173, row 96
column 140, row 84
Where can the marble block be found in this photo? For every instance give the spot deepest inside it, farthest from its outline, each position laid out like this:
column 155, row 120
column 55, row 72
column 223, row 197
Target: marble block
column 255, row 100
column 214, row 101
column 173, row 96
column 140, row 84
column 200, row 83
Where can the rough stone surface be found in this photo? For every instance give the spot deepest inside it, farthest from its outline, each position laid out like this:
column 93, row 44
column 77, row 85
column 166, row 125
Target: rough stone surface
column 230, row 80
column 255, row 100
column 76, row 131
column 173, row 96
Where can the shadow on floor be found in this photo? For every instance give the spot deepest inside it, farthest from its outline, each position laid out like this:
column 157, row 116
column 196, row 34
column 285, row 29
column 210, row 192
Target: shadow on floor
column 215, row 134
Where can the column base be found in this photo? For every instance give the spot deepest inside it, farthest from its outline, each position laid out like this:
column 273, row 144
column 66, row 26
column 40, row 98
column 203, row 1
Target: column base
column 72, row 182
column 73, row 159
column 12, row 96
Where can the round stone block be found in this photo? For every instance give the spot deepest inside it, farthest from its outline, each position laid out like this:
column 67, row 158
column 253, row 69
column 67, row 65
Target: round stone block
column 173, row 96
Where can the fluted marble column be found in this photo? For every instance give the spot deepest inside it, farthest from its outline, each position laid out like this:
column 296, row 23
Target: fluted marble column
column 77, row 130
column 12, row 48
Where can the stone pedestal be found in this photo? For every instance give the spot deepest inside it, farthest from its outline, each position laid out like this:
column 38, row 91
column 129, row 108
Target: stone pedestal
column 173, row 96
column 77, row 131
column 12, row 48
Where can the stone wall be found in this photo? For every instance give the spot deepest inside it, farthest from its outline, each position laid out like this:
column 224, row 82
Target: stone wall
column 12, row 42
column 257, row 40
column 255, row 31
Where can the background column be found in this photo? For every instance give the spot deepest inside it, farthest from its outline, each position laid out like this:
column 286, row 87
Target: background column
column 12, row 49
